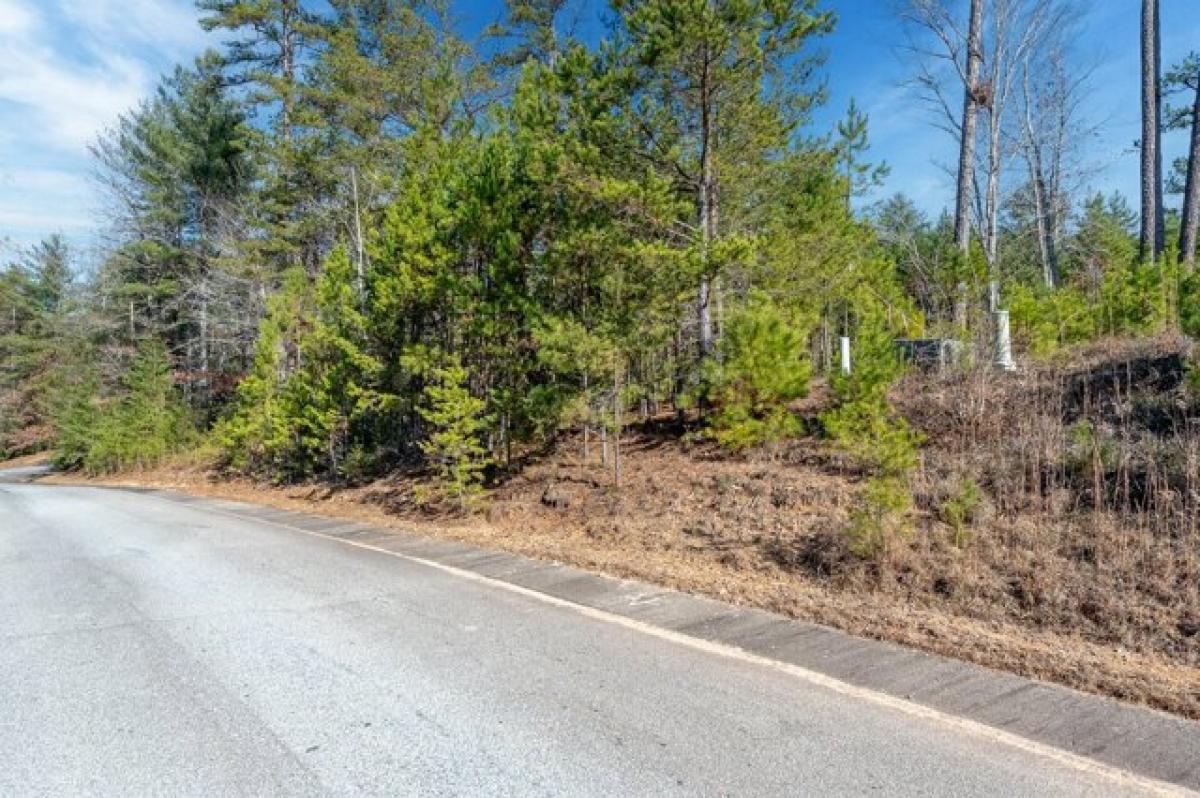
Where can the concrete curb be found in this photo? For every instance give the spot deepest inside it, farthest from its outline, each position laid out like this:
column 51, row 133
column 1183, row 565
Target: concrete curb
column 1141, row 741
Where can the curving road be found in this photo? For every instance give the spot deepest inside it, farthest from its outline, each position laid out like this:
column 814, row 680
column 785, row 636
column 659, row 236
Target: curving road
column 153, row 647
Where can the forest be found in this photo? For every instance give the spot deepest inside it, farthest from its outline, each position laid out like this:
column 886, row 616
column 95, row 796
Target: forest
column 352, row 243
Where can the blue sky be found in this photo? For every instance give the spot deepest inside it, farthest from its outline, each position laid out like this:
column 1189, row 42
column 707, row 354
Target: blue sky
column 71, row 66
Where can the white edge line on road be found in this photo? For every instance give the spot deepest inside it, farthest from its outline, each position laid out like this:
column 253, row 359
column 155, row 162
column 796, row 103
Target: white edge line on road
column 1090, row 766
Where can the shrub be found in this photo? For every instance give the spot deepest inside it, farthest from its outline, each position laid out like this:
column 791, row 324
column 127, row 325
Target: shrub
column 456, row 419
column 881, row 517
column 1128, row 299
column 1045, row 319
column 960, row 508
column 865, row 425
column 762, row 369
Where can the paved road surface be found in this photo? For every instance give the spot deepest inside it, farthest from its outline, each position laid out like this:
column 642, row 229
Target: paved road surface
column 148, row 647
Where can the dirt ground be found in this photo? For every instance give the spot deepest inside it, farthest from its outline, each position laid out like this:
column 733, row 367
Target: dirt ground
column 763, row 534
column 36, row 459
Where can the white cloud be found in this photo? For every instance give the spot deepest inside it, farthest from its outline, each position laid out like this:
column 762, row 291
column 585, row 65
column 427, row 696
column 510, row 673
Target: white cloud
column 70, row 67
column 73, row 66
column 63, row 105
column 168, row 25
column 15, row 19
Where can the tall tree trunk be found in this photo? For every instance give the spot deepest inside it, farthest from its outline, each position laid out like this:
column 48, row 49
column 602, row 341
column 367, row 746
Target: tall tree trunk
column 1045, row 192
column 360, row 260
column 992, row 203
column 1152, row 212
column 1058, row 202
column 1191, row 192
column 618, row 401
column 966, row 152
column 708, row 205
column 1041, row 211
column 1160, row 225
column 289, row 14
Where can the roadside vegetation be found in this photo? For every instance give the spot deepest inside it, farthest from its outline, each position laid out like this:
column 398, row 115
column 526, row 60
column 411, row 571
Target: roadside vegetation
column 587, row 298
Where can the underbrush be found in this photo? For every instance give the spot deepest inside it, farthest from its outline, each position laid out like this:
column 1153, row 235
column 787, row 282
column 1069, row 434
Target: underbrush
column 1084, row 479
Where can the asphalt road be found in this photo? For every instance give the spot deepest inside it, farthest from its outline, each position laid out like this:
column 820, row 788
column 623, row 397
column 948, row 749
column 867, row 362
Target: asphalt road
column 148, row 647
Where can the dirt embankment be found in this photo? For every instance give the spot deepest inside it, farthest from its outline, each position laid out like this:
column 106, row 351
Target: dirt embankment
column 1058, row 569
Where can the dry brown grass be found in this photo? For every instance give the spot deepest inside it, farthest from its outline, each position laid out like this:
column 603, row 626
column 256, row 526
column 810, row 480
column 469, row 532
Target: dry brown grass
column 35, row 459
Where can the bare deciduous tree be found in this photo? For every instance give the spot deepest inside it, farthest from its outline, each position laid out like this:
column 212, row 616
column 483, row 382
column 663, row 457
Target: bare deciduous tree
column 1051, row 131
column 973, row 98
column 958, row 52
column 991, row 61
column 1015, row 29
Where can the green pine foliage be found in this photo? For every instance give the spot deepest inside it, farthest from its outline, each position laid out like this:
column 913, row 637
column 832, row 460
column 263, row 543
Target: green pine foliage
column 260, row 436
column 35, row 309
column 764, row 366
column 74, row 411
column 1106, row 292
column 868, row 429
column 137, row 426
column 456, row 421
column 864, row 423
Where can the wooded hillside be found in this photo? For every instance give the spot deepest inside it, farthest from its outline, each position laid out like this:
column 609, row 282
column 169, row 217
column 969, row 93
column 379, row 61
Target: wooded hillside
column 351, row 241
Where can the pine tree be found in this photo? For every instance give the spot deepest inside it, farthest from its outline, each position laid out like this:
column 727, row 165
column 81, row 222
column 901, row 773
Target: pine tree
column 270, row 48
column 721, row 87
column 530, row 27
column 177, row 171
column 267, row 49
column 74, row 409
column 145, row 422
column 34, row 333
column 1152, row 237
column 763, row 368
column 260, row 436
column 851, row 143
column 1185, row 77
column 456, row 421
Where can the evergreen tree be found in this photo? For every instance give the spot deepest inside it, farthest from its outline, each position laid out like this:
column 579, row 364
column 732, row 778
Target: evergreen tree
column 456, row 422
column 138, row 427
column 1185, row 78
column 260, row 436
column 34, row 333
column 721, row 86
column 178, row 172
column 530, row 26
column 851, row 143
column 763, row 367
column 268, row 53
